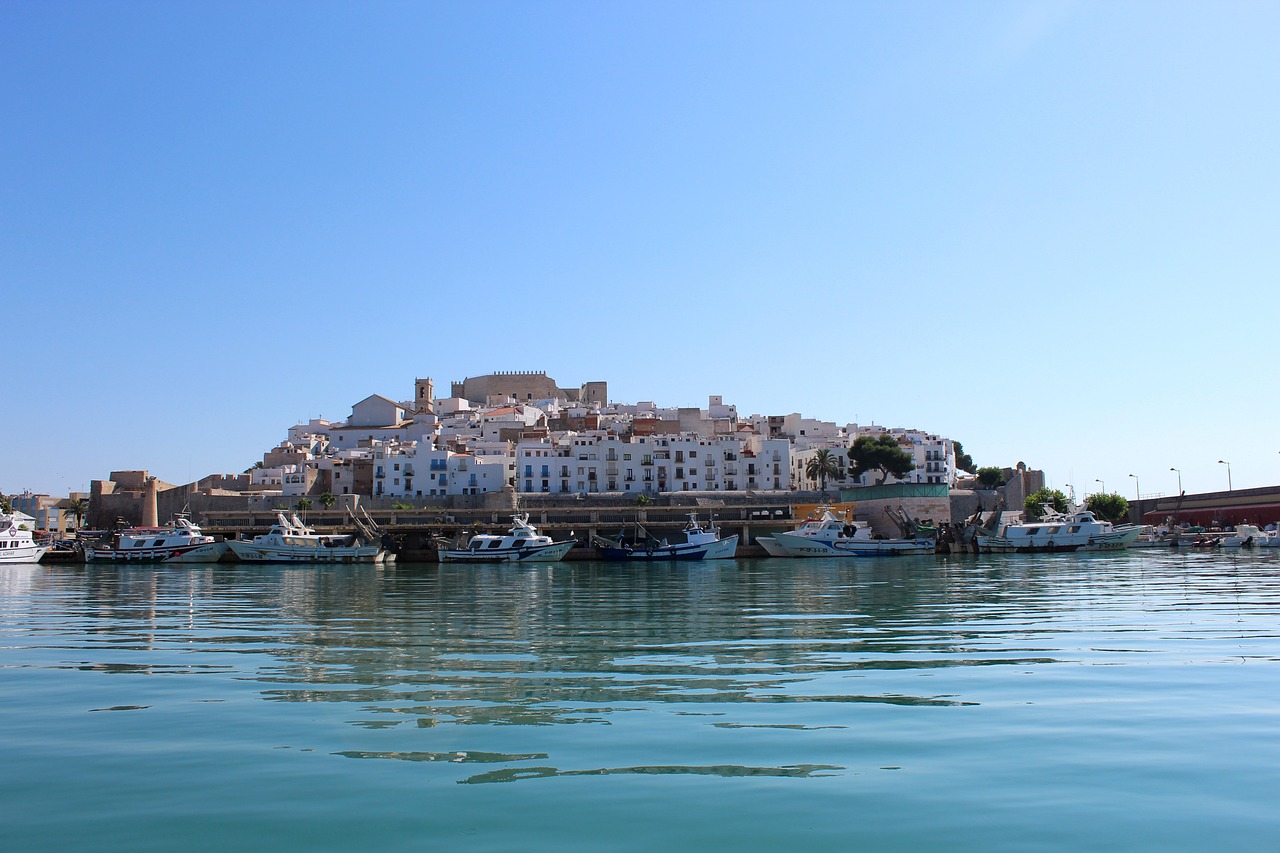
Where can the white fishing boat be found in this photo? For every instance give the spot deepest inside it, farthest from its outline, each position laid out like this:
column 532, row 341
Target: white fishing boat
column 1079, row 530
column 17, row 545
column 291, row 541
column 700, row 543
column 180, row 541
column 1246, row 536
column 825, row 534
column 521, row 544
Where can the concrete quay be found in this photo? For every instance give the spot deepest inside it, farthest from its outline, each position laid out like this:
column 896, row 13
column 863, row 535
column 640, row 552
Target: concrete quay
column 416, row 530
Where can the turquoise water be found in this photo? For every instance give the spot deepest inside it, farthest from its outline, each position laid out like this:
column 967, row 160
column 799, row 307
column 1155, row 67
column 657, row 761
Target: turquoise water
column 1059, row 702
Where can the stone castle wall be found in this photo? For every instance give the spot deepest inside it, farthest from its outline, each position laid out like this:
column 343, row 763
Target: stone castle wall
column 526, row 386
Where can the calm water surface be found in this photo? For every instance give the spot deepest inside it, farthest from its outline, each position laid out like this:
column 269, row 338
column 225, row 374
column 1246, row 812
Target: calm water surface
column 1060, row 702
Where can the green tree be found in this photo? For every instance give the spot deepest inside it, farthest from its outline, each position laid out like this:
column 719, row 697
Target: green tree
column 78, row 508
column 327, row 500
column 822, row 465
column 304, row 504
column 882, row 454
column 5, row 506
column 1033, row 506
column 990, row 476
column 964, row 461
column 643, row 500
column 401, row 505
column 1114, row 508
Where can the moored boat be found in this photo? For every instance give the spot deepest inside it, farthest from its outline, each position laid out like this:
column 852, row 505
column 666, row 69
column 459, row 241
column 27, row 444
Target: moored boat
column 17, row 545
column 521, row 544
column 825, row 534
column 1246, row 536
column 289, row 540
column 1079, row 530
column 180, row 541
column 700, row 543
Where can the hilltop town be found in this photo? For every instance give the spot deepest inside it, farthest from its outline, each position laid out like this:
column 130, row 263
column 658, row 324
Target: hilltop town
column 516, row 435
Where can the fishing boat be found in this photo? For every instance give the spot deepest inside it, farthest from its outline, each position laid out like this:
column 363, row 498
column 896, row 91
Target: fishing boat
column 1079, row 530
column 17, row 545
column 1246, row 536
column 521, row 544
column 289, row 540
column 700, row 543
column 825, row 534
column 180, row 541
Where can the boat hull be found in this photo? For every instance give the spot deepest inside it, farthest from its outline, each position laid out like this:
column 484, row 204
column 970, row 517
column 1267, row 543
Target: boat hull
column 250, row 552
column 771, row 547
column 801, row 546
column 721, row 549
column 1117, row 540
column 210, row 552
column 553, row 553
column 22, row 554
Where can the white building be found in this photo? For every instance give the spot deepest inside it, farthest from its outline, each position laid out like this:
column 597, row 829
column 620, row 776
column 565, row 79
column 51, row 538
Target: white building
column 583, row 463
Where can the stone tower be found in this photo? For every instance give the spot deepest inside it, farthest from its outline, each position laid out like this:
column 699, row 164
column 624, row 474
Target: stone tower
column 424, row 393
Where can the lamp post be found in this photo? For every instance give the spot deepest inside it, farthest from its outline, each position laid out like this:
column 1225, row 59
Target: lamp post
column 1071, row 492
column 1179, row 470
column 1104, row 485
column 1228, row 464
column 1137, row 492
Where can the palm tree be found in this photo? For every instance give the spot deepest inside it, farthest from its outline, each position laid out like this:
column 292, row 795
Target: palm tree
column 822, row 465
column 327, row 500
column 78, row 508
column 304, row 504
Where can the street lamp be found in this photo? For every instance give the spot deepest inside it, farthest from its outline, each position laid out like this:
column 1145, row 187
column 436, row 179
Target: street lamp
column 1228, row 464
column 1137, row 492
column 1104, row 485
column 1071, row 491
column 1179, row 470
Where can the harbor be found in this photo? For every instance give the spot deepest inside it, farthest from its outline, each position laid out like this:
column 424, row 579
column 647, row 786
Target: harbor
column 876, row 703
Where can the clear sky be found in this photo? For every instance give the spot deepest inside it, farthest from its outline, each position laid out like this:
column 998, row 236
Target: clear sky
column 1050, row 230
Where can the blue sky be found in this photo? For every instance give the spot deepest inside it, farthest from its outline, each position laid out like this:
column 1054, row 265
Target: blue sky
column 1048, row 230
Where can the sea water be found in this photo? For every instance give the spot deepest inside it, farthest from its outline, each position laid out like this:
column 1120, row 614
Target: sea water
column 1061, row 702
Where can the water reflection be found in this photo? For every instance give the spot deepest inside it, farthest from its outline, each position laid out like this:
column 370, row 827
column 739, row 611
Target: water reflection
column 790, row 650
column 799, row 771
